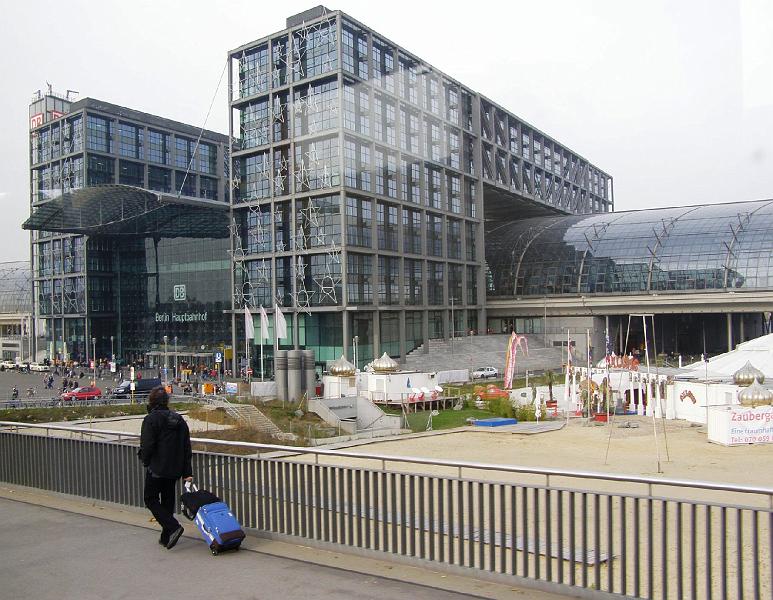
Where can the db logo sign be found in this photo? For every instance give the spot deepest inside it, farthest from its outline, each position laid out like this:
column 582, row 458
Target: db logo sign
column 179, row 292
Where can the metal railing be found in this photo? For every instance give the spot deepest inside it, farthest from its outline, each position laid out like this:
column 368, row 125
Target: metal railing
column 590, row 534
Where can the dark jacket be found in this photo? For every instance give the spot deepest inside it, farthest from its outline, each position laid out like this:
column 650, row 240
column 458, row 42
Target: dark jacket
column 165, row 444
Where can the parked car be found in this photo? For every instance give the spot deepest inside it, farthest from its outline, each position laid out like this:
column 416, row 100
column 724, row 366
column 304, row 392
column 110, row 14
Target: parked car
column 87, row 392
column 485, row 373
column 142, row 387
column 7, row 364
column 40, row 368
column 490, row 392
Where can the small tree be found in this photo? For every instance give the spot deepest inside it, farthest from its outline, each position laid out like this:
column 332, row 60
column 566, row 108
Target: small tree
column 550, row 378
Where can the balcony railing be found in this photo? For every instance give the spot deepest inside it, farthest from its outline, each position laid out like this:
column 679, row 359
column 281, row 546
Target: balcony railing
column 589, row 534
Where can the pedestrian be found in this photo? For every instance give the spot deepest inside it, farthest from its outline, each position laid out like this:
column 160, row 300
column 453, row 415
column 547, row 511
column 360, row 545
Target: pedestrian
column 165, row 451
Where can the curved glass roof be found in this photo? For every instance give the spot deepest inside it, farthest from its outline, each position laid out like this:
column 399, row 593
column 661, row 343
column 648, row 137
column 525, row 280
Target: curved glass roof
column 716, row 247
column 15, row 287
column 124, row 210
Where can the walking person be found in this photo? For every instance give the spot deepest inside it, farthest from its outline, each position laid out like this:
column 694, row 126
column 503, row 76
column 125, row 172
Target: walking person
column 165, row 450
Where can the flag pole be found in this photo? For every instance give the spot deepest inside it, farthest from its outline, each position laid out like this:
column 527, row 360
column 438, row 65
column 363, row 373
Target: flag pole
column 247, row 353
column 261, row 352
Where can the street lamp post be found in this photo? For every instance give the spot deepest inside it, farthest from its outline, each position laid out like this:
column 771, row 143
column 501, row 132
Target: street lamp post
column 112, row 353
column 355, row 340
column 166, row 358
column 94, row 357
column 175, row 357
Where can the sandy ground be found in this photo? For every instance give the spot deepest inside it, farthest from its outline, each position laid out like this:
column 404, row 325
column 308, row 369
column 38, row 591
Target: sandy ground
column 632, row 451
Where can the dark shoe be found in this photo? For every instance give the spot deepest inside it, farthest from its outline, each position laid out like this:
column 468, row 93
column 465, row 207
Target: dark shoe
column 174, row 537
column 164, row 539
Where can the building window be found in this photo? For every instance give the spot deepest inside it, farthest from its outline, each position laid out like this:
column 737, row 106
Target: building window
column 454, row 228
column 434, row 235
column 258, row 230
column 316, row 164
column 472, row 285
column 208, row 188
column 100, row 170
column 185, row 183
column 386, row 176
column 98, row 134
column 386, row 219
column 184, row 152
column 208, row 158
column 433, row 191
column 383, row 65
column 411, row 231
column 72, row 135
column 254, row 124
column 388, row 276
column 409, row 126
column 159, row 179
column 454, row 194
column 435, row 282
column 158, row 147
column 354, row 44
column 130, row 140
column 280, row 60
column 357, row 164
column 131, row 173
column 259, row 273
column 413, row 282
column 356, row 109
column 455, row 283
column 384, row 119
column 315, row 50
column 255, row 177
column 359, row 278
column 452, row 139
column 253, row 71
column 281, row 116
column 432, row 129
column 316, row 107
column 469, row 241
column 318, row 221
column 359, row 222
column 411, row 181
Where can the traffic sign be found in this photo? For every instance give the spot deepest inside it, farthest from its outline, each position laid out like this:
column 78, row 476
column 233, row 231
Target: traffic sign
column 218, row 357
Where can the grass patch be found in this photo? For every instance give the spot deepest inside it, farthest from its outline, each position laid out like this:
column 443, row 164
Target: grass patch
column 284, row 417
column 210, row 415
column 78, row 413
column 447, row 419
column 240, row 434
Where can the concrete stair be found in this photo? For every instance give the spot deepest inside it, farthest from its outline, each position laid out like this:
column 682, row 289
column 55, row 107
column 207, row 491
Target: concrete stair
column 249, row 416
column 484, row 350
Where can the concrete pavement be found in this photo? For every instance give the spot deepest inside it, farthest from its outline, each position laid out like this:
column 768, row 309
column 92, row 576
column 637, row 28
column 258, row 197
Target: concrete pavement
column 57, row 547
column 50, row 554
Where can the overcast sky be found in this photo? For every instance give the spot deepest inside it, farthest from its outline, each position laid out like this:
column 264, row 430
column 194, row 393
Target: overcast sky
column 673, row 98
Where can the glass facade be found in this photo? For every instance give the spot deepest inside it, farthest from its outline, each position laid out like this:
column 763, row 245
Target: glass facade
column 86, row 286
column 716, row 247
column 393, row 167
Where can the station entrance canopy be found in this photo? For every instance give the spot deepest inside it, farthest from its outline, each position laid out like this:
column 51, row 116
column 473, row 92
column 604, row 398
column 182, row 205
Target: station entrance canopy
column 128, row 211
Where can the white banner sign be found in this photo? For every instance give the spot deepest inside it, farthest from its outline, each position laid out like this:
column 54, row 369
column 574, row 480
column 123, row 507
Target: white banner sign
column 738, row 425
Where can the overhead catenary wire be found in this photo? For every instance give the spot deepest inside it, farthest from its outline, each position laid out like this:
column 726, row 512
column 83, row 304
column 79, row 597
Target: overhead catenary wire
column 201, row 131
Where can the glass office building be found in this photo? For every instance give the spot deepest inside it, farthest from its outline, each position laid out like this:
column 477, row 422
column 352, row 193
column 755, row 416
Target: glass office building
column 130, row 239
column 361, row 181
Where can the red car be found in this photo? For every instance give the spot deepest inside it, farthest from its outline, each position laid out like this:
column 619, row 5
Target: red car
column 490, row 392
column 86, row 392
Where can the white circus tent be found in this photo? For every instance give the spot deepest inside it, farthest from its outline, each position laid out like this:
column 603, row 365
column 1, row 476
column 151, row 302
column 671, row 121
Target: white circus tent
column 759, row 352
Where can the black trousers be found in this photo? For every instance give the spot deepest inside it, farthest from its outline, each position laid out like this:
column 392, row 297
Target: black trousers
column 159, row 498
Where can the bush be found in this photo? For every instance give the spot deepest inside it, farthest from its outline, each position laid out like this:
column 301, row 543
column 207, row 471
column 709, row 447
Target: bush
column 501, row 407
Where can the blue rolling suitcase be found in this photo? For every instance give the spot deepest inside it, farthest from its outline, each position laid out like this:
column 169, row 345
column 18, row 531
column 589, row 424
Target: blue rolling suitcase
column 217, row 524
